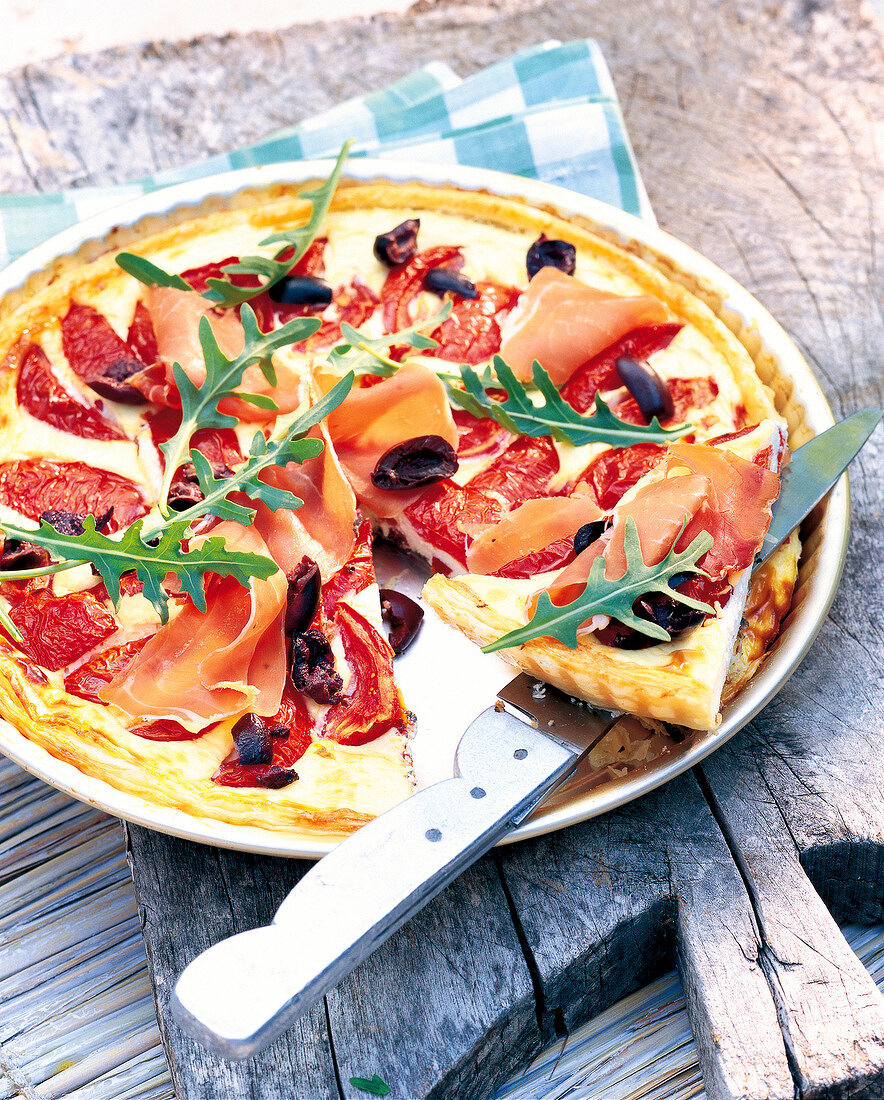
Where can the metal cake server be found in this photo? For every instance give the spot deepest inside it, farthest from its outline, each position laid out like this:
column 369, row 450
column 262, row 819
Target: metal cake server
column 507, row 762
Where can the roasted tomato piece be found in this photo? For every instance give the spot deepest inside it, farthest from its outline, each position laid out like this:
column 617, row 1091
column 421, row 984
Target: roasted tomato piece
column 554, row 556
column 88, row 680
column 92, row 347
column 616, row 470
column 44, row 397
column 164, row 729
column 198, row 277
column 56, row 630
column 523, row 471
column 354, row 575
column 471, row 333
column 34, row 486
column 142, row 338
column 687, row 394
column 219, row 445
column 371, row 704
column 405, row 283
column 600, row 372
column 352, row 304
column 438, row 514
column 477, row 436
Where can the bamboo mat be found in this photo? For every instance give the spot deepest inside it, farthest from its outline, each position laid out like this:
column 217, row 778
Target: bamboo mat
column 76, row 1012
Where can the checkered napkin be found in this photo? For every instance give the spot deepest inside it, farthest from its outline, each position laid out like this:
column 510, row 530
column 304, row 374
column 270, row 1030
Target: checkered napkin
column 550, row 112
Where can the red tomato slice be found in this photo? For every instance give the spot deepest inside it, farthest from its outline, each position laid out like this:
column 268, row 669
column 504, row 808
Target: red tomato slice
column 164, row 729
column 477, row 437
column 141, row 337
column 471, row 333
column 352, row 305
column 405, row 283
column 87, row 680
column 554, row 556
column 438, row 514
column 219, row 445
column 43, row 396
column 600, row 373
column 56, row 630
column 523, row 471
column 615, row 471
column 352, row 577
column 287, row 751
column 372, row 704
column 90, row 344
column 33, row 486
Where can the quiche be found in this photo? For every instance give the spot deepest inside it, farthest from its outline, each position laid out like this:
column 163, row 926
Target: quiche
column 207, row 419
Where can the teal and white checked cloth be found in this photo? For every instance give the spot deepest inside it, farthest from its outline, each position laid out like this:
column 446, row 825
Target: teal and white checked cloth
column 549, row 112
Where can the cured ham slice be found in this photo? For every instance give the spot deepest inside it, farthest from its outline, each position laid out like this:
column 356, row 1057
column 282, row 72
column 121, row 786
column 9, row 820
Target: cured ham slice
column 322, row 528
column 372, row 420
column 176, row 315
column 703, row 488
column 562, row 323
column 203, row 667
column 532, row 526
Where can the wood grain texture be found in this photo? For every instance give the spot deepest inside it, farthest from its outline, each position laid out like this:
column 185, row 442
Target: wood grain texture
column 753, row 125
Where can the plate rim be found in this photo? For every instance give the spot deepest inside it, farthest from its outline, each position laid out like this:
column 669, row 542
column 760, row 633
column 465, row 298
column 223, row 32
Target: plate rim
column 805, row 621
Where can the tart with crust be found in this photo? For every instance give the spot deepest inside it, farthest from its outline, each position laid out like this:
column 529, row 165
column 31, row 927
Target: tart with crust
column 268, row 697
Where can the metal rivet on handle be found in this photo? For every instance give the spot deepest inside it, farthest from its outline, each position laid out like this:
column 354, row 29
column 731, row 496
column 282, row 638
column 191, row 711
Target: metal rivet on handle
column 433, row 834
column 520, row 754
column 477, row 792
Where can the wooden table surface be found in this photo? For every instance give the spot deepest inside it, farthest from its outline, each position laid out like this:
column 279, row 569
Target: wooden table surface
column 754, row 128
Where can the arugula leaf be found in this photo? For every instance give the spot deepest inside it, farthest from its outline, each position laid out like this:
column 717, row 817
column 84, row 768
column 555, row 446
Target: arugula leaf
column 364, row 354
column 554, row 417
column 299, row 239
column 615, row 598
column 152, row 560
column 286, row 444
column 149, row 274
column 199, row 404
column 377, row 1086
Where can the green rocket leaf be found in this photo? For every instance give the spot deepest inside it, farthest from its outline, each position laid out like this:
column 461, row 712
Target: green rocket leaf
column 613, row 597
column 365, row 354
column 149, row 274
column 553, row 416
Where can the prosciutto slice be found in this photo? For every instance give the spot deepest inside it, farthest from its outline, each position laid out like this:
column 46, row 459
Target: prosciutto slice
column 707, row 489
column 176, row 315
column 371, row 420
column 563, row 323
column 532, row 526
column 202, row 667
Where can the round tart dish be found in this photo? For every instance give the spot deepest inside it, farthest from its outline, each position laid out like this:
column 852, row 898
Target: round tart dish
column 224, row 457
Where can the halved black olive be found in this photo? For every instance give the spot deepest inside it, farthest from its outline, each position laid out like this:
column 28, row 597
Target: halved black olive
column 301, row 290
column 275, row 776
column 113, row 382
column 675, row 617
column 551, row 253
column 647, row 387
column 399, row 245
column 444, row 280
column 252, row 740
column 403, row 616
column 22, row 555
column 414, row 463
column 185, row 488
column 303, row 596
column 588, row 533
column 71, row 523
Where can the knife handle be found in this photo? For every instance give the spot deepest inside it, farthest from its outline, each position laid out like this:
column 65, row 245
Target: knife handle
column 243, row 992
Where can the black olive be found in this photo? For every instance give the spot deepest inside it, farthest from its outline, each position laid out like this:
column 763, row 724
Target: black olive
column 22, row 555
column 414, row 463
column 443, row 280
column 252, row 740
column 588, row 533
column 113, row 382
column 675, row 617
column 301, row 290
column 404, row 617
column 313, row 668
column 71, row 523
column 185, row 489
column 399, row 245
column 303, row 596
column 550, row 253
column 275, row 776
column 647, row 387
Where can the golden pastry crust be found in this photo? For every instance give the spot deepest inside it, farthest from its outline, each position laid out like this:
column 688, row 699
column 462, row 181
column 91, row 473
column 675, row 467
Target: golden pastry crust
column 342, row 786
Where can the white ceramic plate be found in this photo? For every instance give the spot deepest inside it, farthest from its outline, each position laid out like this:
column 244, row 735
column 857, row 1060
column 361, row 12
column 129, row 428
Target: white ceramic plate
column 443, row 711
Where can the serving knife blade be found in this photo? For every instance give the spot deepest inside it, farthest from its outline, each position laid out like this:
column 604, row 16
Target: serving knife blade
column 367, row 887
column 508, row 760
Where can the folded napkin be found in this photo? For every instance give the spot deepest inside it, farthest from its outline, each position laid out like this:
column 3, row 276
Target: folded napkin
column 550, row 112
